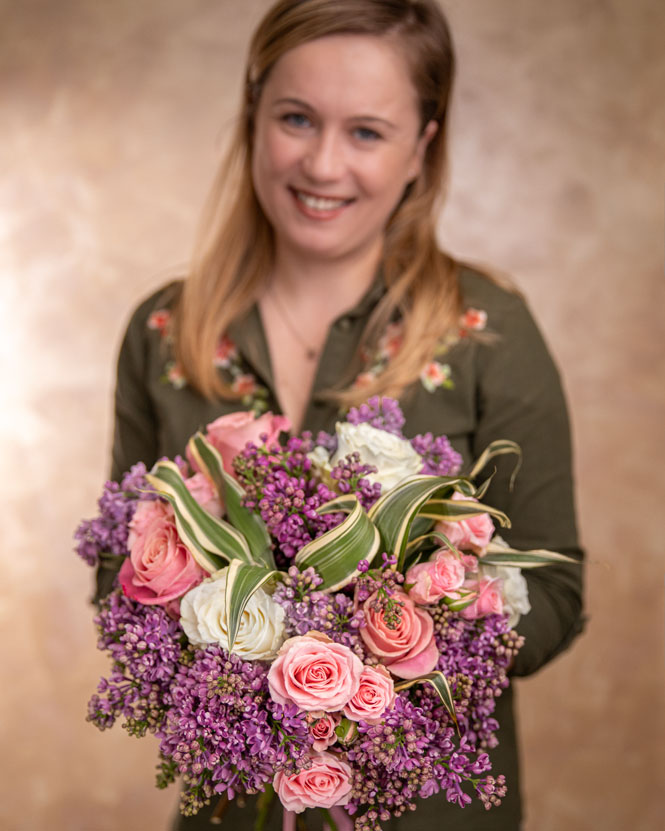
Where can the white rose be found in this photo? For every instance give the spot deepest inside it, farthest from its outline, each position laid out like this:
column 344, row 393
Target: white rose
column 394, row 458
column 203, row 618
column 514, row 588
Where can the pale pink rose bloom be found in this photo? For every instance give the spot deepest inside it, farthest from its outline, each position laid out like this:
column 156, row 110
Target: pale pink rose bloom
column 159, row 568
column 468, row 534
column 375, row 695
column 314, row 673
column 325, row 784
column 205, row 494
column 407, row 651
column 439, row 577
column 230, row 433
column 489, row 600
column 322, row 730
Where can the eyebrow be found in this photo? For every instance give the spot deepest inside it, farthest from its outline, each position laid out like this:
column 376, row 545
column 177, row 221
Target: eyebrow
column 297, row 102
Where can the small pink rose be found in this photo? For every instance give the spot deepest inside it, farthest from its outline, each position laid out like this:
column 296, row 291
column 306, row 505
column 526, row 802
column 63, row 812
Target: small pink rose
column 473, row 533
column 325, row 784
column 205, row 494
column 489, row 600
column 159, row 568
column 408, row 650
column 322, row 730
column 314, row 673
column 375, row 695
column 439, row 577
column 230, row 433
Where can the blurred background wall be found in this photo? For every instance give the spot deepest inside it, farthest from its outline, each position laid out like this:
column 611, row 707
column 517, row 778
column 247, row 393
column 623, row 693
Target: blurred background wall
column 111, row 120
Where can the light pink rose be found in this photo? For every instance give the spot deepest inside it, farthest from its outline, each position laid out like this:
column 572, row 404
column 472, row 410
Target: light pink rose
column 159, row 568
column 314, row 673
column 407, row 651
column 230, row 433
column 322, row 730
column 440, row 576
column 205, row 494
column 489, row 600
column 325, row 784
column 375, row 695
column 468, row 534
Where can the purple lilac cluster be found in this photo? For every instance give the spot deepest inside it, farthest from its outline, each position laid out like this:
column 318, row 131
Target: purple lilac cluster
column 224, row 732
column 308, row 609
column 383, row 581
column 412, row 753
column 146, row 646
column 350, row 474
column 278, row 485
column 382, row 413
column 475, row 657
column 438, row 455
column 106, row 534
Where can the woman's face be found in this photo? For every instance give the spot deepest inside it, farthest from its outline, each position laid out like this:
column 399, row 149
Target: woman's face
column 337, row 138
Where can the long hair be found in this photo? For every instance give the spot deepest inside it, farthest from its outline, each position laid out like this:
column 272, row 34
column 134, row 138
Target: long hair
column 235, row 248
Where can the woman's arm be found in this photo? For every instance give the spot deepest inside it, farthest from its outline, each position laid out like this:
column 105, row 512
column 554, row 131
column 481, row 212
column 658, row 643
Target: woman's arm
column 520, row 398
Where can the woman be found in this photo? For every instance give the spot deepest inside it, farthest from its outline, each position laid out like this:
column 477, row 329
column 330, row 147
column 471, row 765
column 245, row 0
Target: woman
column 318, row 282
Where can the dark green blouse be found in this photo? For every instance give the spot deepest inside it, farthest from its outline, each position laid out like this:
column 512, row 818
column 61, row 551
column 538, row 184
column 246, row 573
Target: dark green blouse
column 501, row 385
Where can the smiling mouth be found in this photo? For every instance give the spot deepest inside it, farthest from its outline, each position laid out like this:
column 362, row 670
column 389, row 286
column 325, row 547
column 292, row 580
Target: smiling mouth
column 320, row 203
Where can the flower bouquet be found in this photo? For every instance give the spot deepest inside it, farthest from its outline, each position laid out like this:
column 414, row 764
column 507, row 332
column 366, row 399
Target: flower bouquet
column 328, row 620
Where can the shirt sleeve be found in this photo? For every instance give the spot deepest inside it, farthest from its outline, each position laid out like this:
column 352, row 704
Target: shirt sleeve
column 519, row 397
column 135, row 420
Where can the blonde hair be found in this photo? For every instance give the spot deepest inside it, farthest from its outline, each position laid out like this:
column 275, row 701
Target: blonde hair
column 235, row 248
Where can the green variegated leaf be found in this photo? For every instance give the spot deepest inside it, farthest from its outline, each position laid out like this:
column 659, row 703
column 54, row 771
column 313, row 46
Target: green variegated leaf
column 345, row 503
column 250, row 525
column 498, row 448
column 242, row 580
column 481, row 489
column 211, row 541
column 500, row 555
column 438, row 680
column 335, row 554
column 394, row 513
column 465, row 599
column 455, row 510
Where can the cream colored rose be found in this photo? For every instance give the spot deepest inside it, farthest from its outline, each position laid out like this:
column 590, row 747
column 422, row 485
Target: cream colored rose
column 394, row 458
column 203, row 619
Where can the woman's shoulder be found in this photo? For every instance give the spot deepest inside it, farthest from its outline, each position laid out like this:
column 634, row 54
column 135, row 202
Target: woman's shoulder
column 154, row 312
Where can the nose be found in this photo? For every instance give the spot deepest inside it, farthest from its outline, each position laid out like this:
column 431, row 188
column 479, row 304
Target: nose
column 324, row 157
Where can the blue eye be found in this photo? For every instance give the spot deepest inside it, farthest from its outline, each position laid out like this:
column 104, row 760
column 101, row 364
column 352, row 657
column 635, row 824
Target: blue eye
column 296, row 120
column 366, row 134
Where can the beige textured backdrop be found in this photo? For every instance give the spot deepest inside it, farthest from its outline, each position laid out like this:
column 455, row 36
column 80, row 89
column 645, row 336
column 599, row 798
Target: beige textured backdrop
column 111, row 119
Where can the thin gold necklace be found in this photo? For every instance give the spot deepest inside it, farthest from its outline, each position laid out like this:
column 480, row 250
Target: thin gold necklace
column 310, row 352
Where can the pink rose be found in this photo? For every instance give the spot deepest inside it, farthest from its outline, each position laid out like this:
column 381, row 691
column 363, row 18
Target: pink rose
column 440, row 576
column 322, row 730
column 375, row 695
column 489, row 600
column 325, row 784
column 230, row 433
column 473, row 533
column 159, row 568
column 407, row 651
column 314, row 673
column 205, row 494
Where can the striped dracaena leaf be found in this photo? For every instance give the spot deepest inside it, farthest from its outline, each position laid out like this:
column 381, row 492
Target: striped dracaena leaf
column 250, row 525
column 212, row 542
column 242, row 580
column 345, row 503
column 437, row 680
column 394, row 513
column 501, row 555
column 335, row 554
column 501, row 447
column 455, row 510
column 465, row 598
